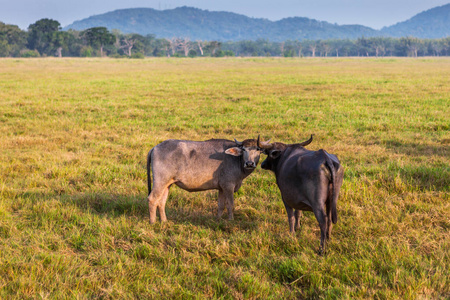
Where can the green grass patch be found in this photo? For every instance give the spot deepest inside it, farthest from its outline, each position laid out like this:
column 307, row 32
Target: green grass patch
column 74, row 134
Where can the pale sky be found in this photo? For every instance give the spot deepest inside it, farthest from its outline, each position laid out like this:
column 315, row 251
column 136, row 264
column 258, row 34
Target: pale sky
column 372, row 13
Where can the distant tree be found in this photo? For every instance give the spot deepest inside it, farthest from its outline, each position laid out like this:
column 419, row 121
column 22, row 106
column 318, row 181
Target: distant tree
column 446, row 45
column 313, row 48
column 148, row 44
column 185, row 45
column 378, row 45
column 299, row 48
column 247, row 48
column 98, row 37
column 214, row 46
column 436, row 47
column 414, row 46
column 345, row 47
column 127, row 45
column 219, row 53
column 192, row 53
column 60, row 41
column 173, row 46
column 388, row 44
column 45, row 38
column 12, row 40
column 363, row 46
column 139, row 44
column 200, row 45
column 325, row 47
column 289, row 51
column 41, row 34
column 75, row 43
column 410, row 46
column 266, row 48
column 161, row 47
column 29, row 53
column 228, row 53
column 5, row 48
column 399, row 47
column 337, row 45
column 128, row 41
column 282, row 44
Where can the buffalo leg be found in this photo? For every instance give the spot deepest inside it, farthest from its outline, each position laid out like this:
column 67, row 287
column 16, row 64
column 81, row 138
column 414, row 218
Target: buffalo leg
column 162, row 205
column 152, row 205
column 329, row 223
column 221, row 203
column 291, row 217
column 230, row 206
column 322, row 219
column 298, row 215
column 229, row 200
column 329, row 202
column 154, row 201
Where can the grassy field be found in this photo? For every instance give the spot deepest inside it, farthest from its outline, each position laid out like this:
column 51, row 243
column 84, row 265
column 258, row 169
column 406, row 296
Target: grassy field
column 74, row 134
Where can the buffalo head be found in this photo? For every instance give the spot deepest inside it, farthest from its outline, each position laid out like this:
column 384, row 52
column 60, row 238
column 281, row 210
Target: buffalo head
column 274, row 150
column 249, row 151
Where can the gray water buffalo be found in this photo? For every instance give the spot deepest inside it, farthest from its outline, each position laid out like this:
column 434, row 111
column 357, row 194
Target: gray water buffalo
column 214, row 164
column 309, row 181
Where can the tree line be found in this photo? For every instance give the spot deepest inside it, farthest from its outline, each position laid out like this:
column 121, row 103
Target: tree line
column 45, row 38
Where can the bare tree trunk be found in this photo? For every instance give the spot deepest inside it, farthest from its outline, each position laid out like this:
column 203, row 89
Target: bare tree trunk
column 59, row 52
column 200, row 47
column 185, row 45
column 128, row 45
column 313, row 50
column 173, row 44
column 413, row 50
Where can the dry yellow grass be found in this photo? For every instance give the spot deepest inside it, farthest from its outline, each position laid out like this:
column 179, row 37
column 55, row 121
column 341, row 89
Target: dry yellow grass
column 74, row 134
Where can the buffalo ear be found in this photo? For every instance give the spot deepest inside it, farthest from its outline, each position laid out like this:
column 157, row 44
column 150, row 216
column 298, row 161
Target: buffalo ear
column 235, row 151
column 275, row 154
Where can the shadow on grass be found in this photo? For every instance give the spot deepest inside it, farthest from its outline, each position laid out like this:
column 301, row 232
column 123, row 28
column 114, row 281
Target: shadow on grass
column 208, row 219
column 425, row 176
column 116, row 205
column 113, row 205
column 417, row 149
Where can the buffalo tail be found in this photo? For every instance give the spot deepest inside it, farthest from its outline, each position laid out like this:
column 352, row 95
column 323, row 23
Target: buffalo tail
column 149, row 178
column 334, row 194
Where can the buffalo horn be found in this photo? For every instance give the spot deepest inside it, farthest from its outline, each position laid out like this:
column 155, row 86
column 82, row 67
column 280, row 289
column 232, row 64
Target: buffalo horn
column 263, row 145
column 238, row 143
column 305, row 143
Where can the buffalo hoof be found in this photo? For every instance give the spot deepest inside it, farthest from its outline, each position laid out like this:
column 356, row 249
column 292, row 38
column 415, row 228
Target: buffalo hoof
column 321, row 252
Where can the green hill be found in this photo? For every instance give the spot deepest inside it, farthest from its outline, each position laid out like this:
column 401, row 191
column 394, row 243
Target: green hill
column 200, row 24
column 433, row 23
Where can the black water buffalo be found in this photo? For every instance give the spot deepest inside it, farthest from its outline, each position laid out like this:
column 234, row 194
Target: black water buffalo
column 214, row 164
column 309, row 181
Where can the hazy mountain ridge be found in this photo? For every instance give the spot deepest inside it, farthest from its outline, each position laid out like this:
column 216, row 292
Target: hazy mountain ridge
column 433, row 23
column 198, row 24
